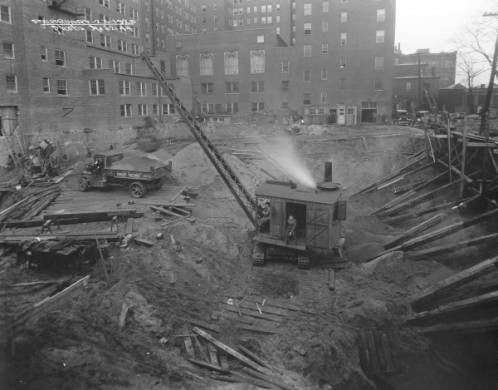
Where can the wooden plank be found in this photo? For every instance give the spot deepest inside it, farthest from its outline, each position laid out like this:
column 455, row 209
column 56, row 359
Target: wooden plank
column 464, row 157
column 210, row 366
column 123, row 314
column 442, row 249
column 258, row 329
column 143, row 241
column 203, row 353
column 255, row 357
column 427, row 224
column 189, row 348
column 477, row 326
column 416, row 200
column 466, row 178
column 456, row 306
column 268, row 378
column 213, row 356
column 177, row 194
column 447, row 230
column 232, row 352
column 49, row 303
column 166, row 212
column 247, row 309
column 441, row 288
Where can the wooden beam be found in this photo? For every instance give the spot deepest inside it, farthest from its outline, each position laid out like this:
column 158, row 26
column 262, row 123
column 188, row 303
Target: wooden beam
column 466, row 178
column 478, row 326
column 450, row 308
column 433, row 221
column 232, row 352
column 414, row 201
column 447, row 230
column 464, row 157
column 441, row 288
column 439, row 250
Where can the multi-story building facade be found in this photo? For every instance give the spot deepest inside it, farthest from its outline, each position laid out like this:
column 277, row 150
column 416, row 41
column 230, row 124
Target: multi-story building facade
column 330, row 59
column 420, row 74
column 215, row 15
column 80, row 84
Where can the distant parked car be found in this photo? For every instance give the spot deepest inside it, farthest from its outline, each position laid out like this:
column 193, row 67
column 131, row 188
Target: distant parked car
column 402, row 118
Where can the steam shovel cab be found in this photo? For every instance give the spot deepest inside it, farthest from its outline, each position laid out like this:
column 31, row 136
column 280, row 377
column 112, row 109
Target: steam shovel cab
column 318, row 213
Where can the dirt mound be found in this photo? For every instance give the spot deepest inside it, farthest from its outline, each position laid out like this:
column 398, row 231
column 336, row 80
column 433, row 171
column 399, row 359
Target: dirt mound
column 192, row 167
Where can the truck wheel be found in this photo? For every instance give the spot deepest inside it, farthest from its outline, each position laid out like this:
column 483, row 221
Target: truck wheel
column 83, row 184
column 137, row 189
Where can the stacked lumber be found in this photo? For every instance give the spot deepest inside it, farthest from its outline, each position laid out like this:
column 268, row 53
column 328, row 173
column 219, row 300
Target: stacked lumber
column 223, row 361
column 33, row 202
column 178, row 210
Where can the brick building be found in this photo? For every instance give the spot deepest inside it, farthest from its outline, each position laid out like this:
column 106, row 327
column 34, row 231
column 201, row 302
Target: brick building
column 328, row 60
column 418, row 74
column 75, row 85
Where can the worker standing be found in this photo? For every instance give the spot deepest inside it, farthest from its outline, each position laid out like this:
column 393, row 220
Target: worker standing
column 291, row 228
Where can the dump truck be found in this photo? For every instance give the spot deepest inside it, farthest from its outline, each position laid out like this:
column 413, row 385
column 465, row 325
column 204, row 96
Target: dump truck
column 139, row 174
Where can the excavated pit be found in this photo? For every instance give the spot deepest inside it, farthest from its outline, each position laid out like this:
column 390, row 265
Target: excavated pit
column 82, row 346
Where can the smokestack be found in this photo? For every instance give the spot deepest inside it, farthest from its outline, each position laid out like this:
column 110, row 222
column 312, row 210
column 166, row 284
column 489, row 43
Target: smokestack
column 327, row 175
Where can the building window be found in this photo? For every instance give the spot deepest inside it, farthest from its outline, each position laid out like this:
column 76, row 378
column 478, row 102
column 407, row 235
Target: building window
column 325, row 48
column 155, row 109
column 379, row 85
column 168, row 109
column 95, row 62
column 142, row 109
column 260, row 39
column 122, row 45
column 342, row 62
column 128, row 68
column 381, row 15
column 11, row 82
column 8, row 50
column 155, row 89
column 46, row 85
column 60, row 57
column 232, row 108
column 324, row 74
column 62, row 87
column 105, row 3
column 307, row 75
column 207, row 88
column 134, row 49
column 307, row 98
column 307, row 9
column 379, row 63
column 115, row 66
column 141, row 88
column 277, row 30
column 232, row 87
column 257, row 86
column 285, row 66
column 121, row 7
column 325, row 6
column 125, row 110
column 5, row 14
column 88, row 14
column 257, row 106
column 105, row 40
column 344, row 17
column 323, row 98
column 379, row 36
column 344, row 39
column 162, row 64
column 307, row 50
column 44, row 54
column 257, row 61
column 285, row 85
column 408, row 86
column 325, row 26
column 97, row 87
column 206, row 64
column 182, row 65
column 89, row 36
column 307, row 28
column 125, row 88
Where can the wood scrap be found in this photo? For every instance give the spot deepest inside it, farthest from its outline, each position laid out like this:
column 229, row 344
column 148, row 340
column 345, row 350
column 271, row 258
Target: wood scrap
column 417, row 229
column 210, row 366
column 123, row 314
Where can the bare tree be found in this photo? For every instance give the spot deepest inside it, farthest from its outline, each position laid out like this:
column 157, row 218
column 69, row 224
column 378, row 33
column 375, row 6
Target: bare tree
column 471, row 68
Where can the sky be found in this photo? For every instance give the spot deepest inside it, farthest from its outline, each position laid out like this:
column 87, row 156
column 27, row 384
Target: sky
column 434, row 24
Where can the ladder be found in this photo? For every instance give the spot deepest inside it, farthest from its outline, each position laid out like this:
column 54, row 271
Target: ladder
column 242, row 196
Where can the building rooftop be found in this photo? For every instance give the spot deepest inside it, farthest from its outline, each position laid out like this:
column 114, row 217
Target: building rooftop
column 297, row 193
